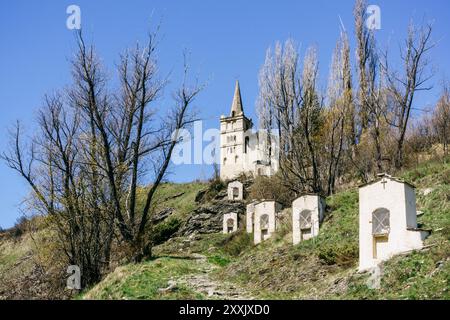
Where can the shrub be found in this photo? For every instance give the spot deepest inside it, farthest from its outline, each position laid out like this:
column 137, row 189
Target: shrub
column 339, row 254
column 237, row 243
column 211, row 192
column 163, row 231
column 271, row 188
column 19, row 229
column 446, row 177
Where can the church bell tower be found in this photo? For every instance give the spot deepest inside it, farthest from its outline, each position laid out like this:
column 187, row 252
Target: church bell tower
column 233, row 139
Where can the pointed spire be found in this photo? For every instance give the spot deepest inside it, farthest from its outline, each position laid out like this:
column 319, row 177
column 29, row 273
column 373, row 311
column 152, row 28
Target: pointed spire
column 236, row 107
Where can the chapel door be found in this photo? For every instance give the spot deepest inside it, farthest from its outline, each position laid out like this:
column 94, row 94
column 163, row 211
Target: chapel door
column 380, row 249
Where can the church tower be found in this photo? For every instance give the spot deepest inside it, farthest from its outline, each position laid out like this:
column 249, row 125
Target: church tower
column 234, row 143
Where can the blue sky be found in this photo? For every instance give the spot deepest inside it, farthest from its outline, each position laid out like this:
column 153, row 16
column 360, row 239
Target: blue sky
column 227, row 41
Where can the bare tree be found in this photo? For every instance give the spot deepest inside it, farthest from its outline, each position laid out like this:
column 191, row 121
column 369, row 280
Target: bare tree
column 279, row 82
column 371, row 95
column 339, row 117
column 131, row 135
column 63, row 189
column 441, row 119
column 95, row 150
column 365, row 48
column 403, row 87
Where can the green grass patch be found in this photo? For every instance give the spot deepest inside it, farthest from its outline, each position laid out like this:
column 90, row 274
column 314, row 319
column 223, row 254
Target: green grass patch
column 219, row 260
column 143, row 281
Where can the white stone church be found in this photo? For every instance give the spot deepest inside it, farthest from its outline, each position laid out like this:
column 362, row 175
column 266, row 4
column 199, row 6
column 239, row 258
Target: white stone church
column 242, row 150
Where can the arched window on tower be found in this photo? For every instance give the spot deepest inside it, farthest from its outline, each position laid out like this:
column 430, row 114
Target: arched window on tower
column 246, row 143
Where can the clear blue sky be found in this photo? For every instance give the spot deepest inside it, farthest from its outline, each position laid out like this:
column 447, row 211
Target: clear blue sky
column 227, row 40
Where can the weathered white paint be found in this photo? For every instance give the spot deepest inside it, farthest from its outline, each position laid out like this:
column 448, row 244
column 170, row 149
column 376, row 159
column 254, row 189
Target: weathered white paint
column 249, row 215
column 241, row 149
column 269, row 209
column 316, row 206
column 227, row 218
column 231, row 191
column 399, row 199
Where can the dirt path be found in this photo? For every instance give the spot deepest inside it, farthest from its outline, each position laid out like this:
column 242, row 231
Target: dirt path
column 203, row 283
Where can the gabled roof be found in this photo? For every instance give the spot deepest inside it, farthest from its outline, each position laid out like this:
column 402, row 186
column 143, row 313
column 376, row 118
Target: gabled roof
column 382, row 176
column 259, row 201
column 320, row 195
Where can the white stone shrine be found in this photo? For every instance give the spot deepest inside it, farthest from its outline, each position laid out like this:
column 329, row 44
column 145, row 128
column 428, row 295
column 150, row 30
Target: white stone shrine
column 230, row 222
column 265, row 218
column 235, row 191
column 307, row 215
column 387, row 221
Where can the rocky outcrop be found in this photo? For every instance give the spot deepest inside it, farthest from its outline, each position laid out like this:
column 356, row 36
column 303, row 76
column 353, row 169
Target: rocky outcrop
column 208, row 218
column 162, row 215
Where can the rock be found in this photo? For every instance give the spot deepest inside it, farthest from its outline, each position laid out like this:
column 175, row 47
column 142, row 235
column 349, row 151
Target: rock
column 374, row 281
column 185, row 244
column 222, row 195
column 208, row 218
column 163, row 215
column 200, row 195
column 195, row 237
column 172, row 286
column 427, row 191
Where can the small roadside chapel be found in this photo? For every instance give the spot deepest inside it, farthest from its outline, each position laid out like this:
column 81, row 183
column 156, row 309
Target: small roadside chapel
column 265, row 219
column 387, row 221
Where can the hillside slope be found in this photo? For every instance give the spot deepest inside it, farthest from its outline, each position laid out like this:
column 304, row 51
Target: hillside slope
column 230, row 266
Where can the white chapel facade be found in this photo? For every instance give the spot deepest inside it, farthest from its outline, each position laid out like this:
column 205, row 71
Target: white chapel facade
column 241, row 149
column 387, row 221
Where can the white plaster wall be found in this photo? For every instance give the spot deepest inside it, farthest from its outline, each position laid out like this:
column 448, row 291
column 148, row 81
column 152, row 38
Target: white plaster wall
column 226, row 217
column 250, row 212
column 240, row 186
column 399, row 199
column 411, row 210
column 315, row 204
column 271, row 208
column 259, row 152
